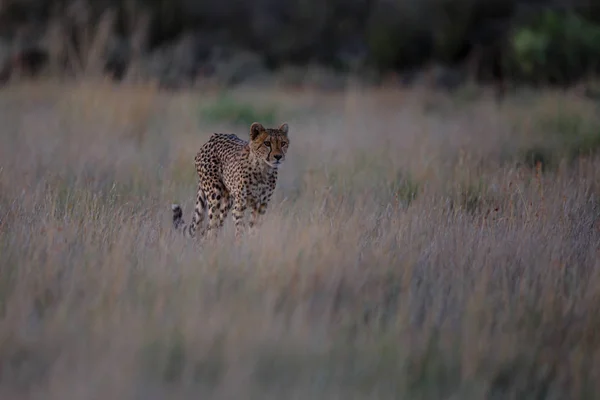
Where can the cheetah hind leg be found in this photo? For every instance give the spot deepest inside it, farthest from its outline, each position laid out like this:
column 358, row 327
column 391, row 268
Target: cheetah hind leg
column 239, row 209
column 225, row 205
column 218, row 205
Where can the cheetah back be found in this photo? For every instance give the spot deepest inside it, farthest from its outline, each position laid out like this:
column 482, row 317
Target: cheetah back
column 220, row 159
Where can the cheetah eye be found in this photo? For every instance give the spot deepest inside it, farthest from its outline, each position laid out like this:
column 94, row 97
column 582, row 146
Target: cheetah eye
column 268, row 144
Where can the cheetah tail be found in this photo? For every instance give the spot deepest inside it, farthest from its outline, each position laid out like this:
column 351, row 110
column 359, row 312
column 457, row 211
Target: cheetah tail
column 177, row 216
column 197, row 218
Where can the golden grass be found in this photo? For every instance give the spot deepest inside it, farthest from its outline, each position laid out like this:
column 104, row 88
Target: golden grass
column 405, row 254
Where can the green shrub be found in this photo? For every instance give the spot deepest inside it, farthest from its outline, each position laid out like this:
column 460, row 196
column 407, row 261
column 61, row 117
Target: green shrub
column 227, row 109
column 564, row 135
column 405, row 189
column 555, row 48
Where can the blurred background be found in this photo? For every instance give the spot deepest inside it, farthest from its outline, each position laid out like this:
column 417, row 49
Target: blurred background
column 303, row 42
column 425, row 240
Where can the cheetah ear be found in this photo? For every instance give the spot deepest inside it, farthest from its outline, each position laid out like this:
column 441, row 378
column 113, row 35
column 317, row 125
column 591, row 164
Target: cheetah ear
column 255, row 130
column 284, row 128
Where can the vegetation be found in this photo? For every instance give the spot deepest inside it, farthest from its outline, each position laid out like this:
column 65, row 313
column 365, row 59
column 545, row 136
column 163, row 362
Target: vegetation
column 567, row 131
column 228, row 110
column 408, row 253
column 556, row 48
column 232, row 42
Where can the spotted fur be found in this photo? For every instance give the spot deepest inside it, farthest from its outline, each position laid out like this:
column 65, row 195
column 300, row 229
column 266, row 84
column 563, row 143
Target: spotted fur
column 235, row 174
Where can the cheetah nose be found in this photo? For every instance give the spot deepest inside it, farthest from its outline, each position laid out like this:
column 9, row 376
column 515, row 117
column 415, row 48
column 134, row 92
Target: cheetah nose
column 277, row 157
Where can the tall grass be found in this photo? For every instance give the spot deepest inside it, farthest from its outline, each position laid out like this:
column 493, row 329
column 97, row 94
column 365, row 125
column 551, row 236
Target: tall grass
column 406, row 254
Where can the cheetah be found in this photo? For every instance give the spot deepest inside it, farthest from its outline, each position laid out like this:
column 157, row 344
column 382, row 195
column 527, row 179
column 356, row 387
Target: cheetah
column 234, row 173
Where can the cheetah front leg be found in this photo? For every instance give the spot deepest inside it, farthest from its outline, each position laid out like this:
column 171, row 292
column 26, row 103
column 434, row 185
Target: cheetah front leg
column 260, row 207
column 258, row 210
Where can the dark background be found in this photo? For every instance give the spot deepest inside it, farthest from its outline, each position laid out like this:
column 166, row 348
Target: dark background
column 176, row 42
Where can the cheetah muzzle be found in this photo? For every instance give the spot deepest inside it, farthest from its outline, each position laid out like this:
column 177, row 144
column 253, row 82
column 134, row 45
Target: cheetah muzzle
column 234, row 174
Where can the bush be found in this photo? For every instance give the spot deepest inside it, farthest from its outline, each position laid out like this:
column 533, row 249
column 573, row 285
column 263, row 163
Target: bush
column 565, row 134
column 555, row 48
column 227, row 109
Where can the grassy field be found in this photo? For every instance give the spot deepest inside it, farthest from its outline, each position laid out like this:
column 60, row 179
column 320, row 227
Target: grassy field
column 419, row 246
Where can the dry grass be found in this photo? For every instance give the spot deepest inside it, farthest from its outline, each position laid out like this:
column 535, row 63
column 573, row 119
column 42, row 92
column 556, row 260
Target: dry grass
column 405, row 255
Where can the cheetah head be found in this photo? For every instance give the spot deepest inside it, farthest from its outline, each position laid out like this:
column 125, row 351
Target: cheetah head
column 269, row 144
